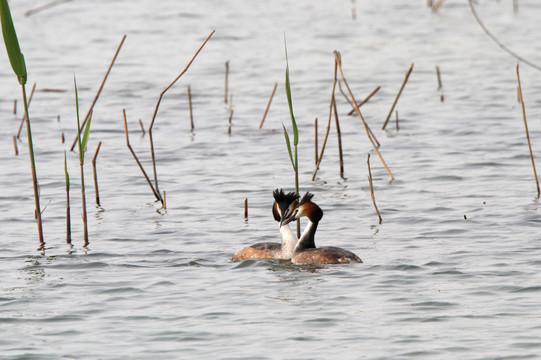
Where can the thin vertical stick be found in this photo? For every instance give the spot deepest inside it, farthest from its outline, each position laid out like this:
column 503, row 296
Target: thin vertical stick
column 190, row 106
column 226, row 81
column 96, row 190
column 158, row 197
column 100, row 89
column 246, row 209
column 157, row 191
column 268, row 105
column 339, row 135
column 15, row 107
column 15, row 145
column 315, row 140
column 164, row 201
column 29, row 101
column 68, row 208
column 527, row 132
column 398, row 95
column 332, row 104
column 438, row 75
column 83, row 199
column 63, row 137
column 142, row 126
column 337, row 56
column 397, row 127
column 230, row 123
column 372, row 188
column 362, row 102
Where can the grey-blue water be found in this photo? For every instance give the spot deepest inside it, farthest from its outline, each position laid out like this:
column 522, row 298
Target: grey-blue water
column 452, row 272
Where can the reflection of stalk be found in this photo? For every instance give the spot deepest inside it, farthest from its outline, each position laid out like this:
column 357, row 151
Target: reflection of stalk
column 95, row 171
column 18, row 65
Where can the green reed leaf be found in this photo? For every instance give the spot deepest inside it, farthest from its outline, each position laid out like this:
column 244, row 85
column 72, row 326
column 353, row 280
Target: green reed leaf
column 290, row 102
column 288, row 143
column 86, row 134
column 11, row 41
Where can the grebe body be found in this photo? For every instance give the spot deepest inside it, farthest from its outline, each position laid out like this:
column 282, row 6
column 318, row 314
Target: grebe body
column 305, row 252
column 284, row 205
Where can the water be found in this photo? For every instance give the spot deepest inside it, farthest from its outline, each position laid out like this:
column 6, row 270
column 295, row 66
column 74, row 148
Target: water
column 452, row 272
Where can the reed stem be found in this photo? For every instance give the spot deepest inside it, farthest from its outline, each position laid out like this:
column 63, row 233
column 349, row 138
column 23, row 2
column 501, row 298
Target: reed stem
column 15, row 107
column 190, row 106
column 99, row 90
column 44, row 7
column 226, row 81
column 142, row 127
column 397, row 127
column 363, row 101
column 15, row 145
column 230, row 122
column 315, row 141
column 246, row 209
column 398, row 96
column 527, row 132
column 68, row 208
column 23, row 118
column 268, row 105
column 372, row 188
column 95, row 171
column 339, row 136
column 337, row 57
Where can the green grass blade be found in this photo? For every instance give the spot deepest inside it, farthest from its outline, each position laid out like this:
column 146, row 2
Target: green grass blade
column 66, row 173
column 81, row 153
column 84, row 142
column 288, row 143
column 11, row 41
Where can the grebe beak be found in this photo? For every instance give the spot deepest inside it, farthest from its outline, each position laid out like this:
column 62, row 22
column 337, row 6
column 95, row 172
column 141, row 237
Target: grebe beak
column 287, row 217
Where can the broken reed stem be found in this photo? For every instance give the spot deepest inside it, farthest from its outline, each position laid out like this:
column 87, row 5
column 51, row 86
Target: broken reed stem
column 372, row 188
column 332, row 104
column 345, row 95
column 268, row 105
column 29, row 101
column 226, row 81
column 15, row 145
column 99, row 90
column 246, row 209
column 15, row 107
column 527, row 132
column 158, row 197
column 190, row 106
column 337, row 57
column 142, row 127
column 397, row 127
column 157, row 191
column 398, row 95
column 364, row 101
column 439, row 77
column 339, row 136
column 164, row 201
column 96, row 190
column 63, row 138
column 44, row 7
column 315, row 140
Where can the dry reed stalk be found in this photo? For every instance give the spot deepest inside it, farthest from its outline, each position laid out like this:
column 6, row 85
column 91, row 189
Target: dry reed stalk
column 315, row 140
column 397, row 127
column 190, row 106
column 527, row 132
column 157, row 190
column 337, row 56
column 398, row 95
column 23, row 118
column 164, row 201
column 268, row 105
column 345, row 95
column 246, row 209
column 96, row 190
column 44, row 7
column 437, row 5
column 364, row 101
column 158, row 197
column 339, row 136
column 15, row 107
column 142, row 127
column 229, row 121
column 332, row 104
column 68, row 207
column 63, row 137
column 100, row 89
column 440, row 84
column 226, row 81
column 372, row 188
column 15, row 145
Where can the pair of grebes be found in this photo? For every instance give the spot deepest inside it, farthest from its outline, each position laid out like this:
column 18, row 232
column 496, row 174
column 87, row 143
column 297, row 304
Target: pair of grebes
column 302, row 251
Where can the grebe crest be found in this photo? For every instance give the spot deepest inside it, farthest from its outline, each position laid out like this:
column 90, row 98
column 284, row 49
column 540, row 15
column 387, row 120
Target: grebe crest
column 284, row 205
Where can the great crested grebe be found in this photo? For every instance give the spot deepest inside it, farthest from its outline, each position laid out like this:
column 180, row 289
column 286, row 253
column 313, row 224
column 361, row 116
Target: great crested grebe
column 283, row 207
column 305, row 252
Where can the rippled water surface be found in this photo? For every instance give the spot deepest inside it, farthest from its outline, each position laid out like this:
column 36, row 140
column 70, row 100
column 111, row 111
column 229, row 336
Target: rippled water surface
column 452, row 272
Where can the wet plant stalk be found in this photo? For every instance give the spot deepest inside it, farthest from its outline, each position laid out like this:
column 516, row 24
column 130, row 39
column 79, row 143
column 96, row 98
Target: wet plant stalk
column 23, row 118
column 372, row 188
column 16, row 148
column 352, row 111
column 68, row 208
column 398, row 96
column 95, row 171
column 315, row 141
column 268, row 105
column 339, row 136
column 190, row 106
column 226, row 81
column 527, row 132
column 337, row 57
column 246, row 209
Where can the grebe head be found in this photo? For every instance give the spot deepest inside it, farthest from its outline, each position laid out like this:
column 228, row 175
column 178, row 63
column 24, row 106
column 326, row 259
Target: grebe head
column 306, row 208
column 284, row 205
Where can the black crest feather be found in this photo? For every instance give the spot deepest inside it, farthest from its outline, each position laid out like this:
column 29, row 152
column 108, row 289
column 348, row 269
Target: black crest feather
column 281, row 197
column 306, row 198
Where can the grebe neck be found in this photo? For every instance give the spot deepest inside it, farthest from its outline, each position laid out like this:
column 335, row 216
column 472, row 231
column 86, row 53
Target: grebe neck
column 289, row 241
column 307, row 240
